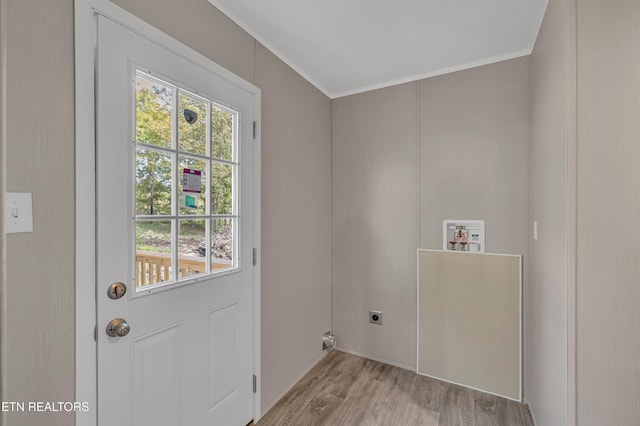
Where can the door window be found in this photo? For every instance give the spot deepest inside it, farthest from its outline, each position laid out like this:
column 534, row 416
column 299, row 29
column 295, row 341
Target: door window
column 186, row 184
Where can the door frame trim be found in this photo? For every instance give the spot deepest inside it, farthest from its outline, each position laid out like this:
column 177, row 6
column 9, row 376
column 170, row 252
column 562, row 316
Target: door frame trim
column 85, row 189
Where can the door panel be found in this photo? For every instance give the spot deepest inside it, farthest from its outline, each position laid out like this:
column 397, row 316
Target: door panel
column 223, row 382
column 188, row 358
column 157, row 377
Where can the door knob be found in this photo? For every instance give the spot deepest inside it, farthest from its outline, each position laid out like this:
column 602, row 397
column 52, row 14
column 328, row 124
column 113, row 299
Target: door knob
column 118, row 328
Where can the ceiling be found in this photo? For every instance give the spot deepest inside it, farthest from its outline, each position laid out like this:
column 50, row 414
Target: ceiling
column 349, row 46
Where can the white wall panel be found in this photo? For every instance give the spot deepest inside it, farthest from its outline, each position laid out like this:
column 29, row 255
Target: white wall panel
column 546, row 335
column 38, row 301
column 608, row 202
column 471, row 130
column 203, row 28
column 474, row 154
column 296, row 224
column 375, row 177
column 469, row 320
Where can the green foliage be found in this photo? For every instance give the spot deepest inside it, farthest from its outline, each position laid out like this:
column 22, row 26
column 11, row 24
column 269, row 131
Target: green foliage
column 221, row 174
column 154, row 127
column 221, row 183
column 192, row 137
column 153, row 236
column 221, row 134
column 153, row 168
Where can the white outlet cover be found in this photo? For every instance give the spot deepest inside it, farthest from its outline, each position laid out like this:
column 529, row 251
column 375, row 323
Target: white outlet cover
column 18, row 215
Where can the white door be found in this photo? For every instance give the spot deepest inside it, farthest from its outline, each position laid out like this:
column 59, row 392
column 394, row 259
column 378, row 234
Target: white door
column 174, row 162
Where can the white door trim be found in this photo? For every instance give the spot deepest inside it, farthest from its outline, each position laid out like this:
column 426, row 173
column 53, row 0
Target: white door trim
column 85, row 268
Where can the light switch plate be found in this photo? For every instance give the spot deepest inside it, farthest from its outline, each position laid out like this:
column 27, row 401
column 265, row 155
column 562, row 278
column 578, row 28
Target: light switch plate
column 18, row 215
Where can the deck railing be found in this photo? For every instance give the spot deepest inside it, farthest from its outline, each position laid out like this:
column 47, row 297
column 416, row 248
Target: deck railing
column 154, row 268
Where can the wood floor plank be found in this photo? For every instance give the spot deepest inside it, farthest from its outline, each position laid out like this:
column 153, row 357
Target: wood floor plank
column 362, row 394
column 346, row 377
column 382, row 403
column 519, row 414
column 301, row 394
column 346, row 390
column 457, row 406
column 318, row 411
column 394, row 402
column 490, row 410
column 428, row 392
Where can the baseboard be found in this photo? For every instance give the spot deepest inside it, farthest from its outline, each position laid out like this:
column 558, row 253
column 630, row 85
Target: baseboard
column 384, row 361
column 295, row 382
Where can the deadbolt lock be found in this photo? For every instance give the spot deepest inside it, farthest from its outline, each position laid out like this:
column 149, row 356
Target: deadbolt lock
column 118, row 328
column 116, row 290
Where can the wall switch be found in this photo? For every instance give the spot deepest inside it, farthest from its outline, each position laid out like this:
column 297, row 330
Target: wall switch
column 535, row 230
column 18, row 215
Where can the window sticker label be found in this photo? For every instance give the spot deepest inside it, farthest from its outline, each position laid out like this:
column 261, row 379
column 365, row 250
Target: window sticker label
column 191, row 188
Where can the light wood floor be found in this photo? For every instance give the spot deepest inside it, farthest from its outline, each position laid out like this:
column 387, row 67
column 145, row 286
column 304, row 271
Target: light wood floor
column 348, row 390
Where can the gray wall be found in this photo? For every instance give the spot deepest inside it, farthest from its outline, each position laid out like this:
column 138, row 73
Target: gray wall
column 585, row 109
column 296, row 224
column 404, row 159
column 474, row 154
column 546, row 325
column 608, row 202
column 375, row 216
column 38, row 296
column 38, row 301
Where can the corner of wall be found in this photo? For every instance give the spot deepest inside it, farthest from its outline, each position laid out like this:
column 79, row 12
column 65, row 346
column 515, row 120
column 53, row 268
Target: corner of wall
column 551, row 191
